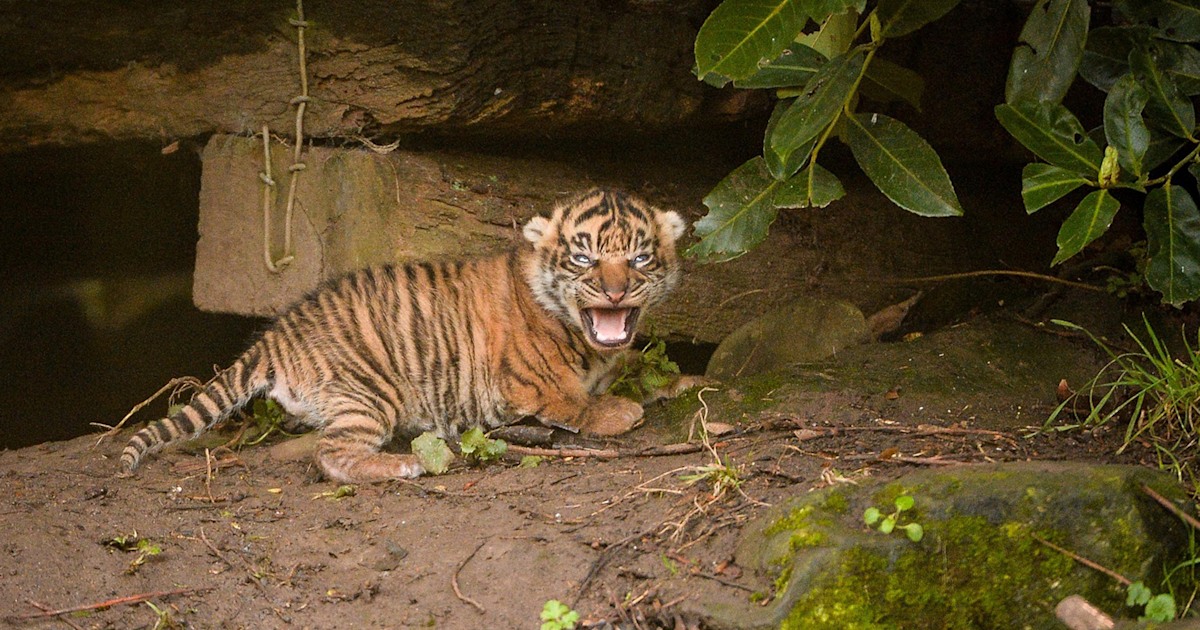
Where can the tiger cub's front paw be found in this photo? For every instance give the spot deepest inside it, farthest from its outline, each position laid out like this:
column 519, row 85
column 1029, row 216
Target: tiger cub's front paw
column 611, row 415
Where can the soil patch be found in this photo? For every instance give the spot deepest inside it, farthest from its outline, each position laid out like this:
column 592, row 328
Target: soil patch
column 252, row 540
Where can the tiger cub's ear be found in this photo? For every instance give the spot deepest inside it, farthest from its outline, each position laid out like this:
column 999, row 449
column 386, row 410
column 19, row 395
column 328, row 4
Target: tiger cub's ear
column 671, row 223
column 535, row 229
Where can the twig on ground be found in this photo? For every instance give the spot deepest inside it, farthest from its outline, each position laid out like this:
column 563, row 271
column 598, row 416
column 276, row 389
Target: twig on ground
column 192, row 466
column 605, row 557
column 213, row 548
column 45, row 608
column 904, row 459
column 1165, row 502
column 118, row 601
column 809, row 433
column 454, row 579
column 720, row 580
column 1084, row 561
column 682, row 448
column 174, row 384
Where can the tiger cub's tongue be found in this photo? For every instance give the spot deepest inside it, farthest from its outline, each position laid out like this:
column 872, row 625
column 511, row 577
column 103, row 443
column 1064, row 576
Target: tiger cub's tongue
column 608, row 324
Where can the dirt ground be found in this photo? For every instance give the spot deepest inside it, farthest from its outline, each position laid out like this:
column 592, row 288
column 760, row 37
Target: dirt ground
column 255, row 539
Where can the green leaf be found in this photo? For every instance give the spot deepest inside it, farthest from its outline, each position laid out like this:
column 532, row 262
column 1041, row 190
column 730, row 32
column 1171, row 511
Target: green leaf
column 783, row 166
column 742, row 207
column 1044, row 63
column 813, row 187
column 1167, row 106
column 741, row 34
column 1181, row 62
column 914, row 531
column 1160, row 608
column 740, row 210
column 1137, row 594
column 1043, row 184
column 1106, row 57
column 1172, row 225
column 904, row 502
column 820, row 10
column 1179, row 20
column 887, row 525
column 793, row 67
column 1090, row 219
column 475, row 445
column 824, row 96
column 1123, row 124
column 871, row 515
column 435, row 456
column 1053, row 133
column 1163, row 146
column 901, row 17
column 530, row 461
column 902, row 165
column 886, row 82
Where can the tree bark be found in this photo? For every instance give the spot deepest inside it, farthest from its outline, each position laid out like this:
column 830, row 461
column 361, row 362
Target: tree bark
column 77, row 70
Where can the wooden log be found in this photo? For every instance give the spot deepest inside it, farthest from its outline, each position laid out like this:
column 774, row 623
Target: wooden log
column 80, row 71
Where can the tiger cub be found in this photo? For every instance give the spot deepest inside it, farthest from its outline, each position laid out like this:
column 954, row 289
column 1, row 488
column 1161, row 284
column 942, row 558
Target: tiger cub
column 448, row 346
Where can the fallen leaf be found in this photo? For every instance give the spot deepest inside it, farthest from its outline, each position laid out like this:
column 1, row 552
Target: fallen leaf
column 1064, row 390
column 718, row 428
column 893, row 393
column 807, row 434
column 888, row 319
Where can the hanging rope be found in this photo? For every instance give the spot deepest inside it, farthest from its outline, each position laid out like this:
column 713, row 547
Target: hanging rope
column 301, row 104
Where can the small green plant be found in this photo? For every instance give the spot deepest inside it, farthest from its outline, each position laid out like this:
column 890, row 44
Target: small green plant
column 1158, row 608
column 133, row 543
column 1156, row 394
column 163, row 617
column 558, row 616
column 721, row 475
column 530, row 461
column 433, row 452
column 477, row 447
column 650, row 371
column 873, row 517
column 341, row 492
column 670, row 565
column 268, row 418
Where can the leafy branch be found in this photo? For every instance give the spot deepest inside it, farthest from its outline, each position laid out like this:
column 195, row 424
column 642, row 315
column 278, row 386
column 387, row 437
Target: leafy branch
column 819, row 58
column 818, row 76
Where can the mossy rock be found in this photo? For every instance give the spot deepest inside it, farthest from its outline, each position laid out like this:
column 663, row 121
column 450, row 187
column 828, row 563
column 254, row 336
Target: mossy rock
column 802, row 332
column 980, row 564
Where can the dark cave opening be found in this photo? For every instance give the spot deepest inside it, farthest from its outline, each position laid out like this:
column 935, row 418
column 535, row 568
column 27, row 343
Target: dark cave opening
column 96, row 276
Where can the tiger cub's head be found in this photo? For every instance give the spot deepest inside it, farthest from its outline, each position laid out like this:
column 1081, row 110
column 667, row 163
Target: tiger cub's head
column 601, row 260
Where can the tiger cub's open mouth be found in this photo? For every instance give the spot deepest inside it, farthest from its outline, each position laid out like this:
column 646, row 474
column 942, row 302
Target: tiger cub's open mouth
column 610, row 327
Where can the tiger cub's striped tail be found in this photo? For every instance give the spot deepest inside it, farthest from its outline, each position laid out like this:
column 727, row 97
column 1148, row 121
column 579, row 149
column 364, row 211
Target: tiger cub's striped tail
column 228, row 392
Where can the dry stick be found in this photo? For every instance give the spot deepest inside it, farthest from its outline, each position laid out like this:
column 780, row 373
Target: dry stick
column 119, row 601
column 720, row 580
column 213, row 548
column 46, row 608
column 681, row 448
column 1084, row 561
column 998, row 272
column 604, row 558
column 454, row 579
column 905, row 459
column 1165, row 502
column 191, row 381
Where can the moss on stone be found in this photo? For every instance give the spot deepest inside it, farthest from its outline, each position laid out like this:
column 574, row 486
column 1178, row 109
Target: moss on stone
column 987, row 577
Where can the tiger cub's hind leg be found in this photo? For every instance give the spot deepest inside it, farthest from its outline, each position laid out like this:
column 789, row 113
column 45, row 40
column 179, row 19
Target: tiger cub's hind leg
column 348, row 450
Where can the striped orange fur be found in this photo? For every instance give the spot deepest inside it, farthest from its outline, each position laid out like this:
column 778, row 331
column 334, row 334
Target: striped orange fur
column 446, row 346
